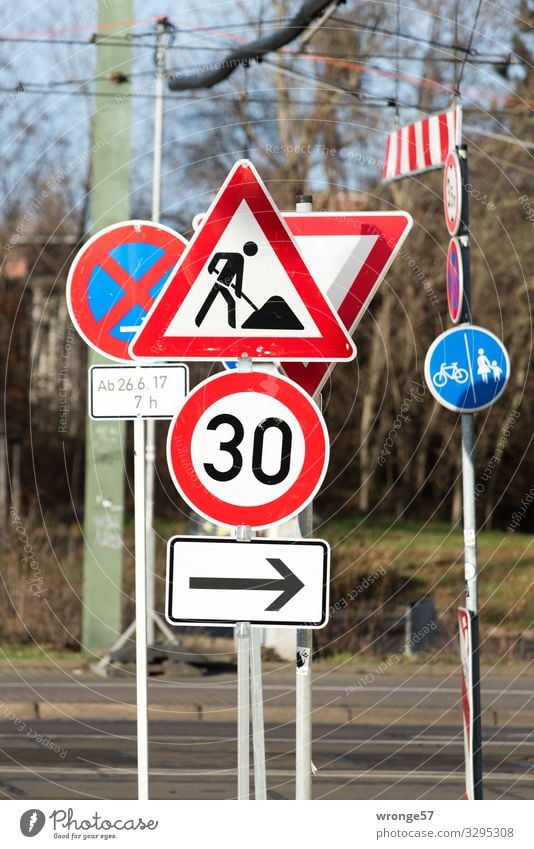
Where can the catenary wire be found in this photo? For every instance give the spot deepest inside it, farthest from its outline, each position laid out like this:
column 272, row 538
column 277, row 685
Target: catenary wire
column 471, row 36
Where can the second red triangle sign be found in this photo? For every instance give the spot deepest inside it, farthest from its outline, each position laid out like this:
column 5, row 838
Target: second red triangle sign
column 242, row 288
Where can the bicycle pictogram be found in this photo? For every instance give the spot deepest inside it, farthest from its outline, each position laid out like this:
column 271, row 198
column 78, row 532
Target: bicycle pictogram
column 467, row 369
column 450, row 372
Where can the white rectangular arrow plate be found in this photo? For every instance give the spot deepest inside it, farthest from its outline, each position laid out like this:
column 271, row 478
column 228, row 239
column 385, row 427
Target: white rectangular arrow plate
column 131, row 392
column 214, row 581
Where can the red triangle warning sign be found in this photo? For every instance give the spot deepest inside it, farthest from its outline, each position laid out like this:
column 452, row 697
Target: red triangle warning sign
column 242, row 288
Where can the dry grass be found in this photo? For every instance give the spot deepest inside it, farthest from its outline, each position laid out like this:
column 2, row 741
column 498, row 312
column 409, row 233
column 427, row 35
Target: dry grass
column 40, row 597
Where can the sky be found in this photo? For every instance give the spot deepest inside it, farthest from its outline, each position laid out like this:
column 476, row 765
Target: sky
column 48, row 122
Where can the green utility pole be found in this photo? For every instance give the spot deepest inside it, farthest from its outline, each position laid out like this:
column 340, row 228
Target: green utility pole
column 105, row 440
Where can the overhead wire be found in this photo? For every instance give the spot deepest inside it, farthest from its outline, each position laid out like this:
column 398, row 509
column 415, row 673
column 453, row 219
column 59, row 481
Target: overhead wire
column 500, row 137
column 127, row 24
column 364, row 66
column 471, row 36
column 254, row 50
column 480, row 59
column 402, row 35
column 514, row 165
column 34, row 88
column 397, row 65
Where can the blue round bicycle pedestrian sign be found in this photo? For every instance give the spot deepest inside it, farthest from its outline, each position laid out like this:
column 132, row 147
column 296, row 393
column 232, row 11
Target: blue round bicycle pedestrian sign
column 467, row 368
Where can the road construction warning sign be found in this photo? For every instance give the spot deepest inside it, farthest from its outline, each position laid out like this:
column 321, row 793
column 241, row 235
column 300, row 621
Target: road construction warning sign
column 243, row 288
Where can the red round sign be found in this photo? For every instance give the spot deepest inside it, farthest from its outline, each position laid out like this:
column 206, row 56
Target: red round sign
column 115, row 279
column 248, row 448
column 455, row 280
column 452, row 192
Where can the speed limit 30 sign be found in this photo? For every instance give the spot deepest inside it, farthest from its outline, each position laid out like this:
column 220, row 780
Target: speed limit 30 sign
column 452, row 192
column 248, row 448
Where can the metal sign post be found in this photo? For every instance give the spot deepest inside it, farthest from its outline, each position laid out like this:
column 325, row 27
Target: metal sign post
column 258, row 728
column 473, row 740
column 474, row 785
column 141, row 669
column 150, row 447
column 249, row 689
column 243, row 710
column 303, row 684
column 250, row 450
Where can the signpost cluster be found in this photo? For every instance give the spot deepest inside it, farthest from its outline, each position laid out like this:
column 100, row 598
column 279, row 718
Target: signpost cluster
column 246, row 448
column 466, row 370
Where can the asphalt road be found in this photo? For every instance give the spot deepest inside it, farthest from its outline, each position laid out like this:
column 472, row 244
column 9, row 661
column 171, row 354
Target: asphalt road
column 197, row 760
column 66, row 734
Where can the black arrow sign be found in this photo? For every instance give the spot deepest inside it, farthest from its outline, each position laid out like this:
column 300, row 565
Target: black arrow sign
column 289, row 585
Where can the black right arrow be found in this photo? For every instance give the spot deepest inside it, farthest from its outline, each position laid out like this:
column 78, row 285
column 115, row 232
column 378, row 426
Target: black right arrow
column 289, row 585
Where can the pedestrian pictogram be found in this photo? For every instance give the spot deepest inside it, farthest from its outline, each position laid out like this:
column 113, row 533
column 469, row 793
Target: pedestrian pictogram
column 467, row 368
column 115, row 279
column 247, row 449
column 242, row 287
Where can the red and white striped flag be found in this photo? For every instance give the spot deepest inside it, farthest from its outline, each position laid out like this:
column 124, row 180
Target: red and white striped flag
column 422, row 146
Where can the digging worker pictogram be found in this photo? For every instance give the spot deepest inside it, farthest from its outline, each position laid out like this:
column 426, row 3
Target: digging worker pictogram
column 229, row 277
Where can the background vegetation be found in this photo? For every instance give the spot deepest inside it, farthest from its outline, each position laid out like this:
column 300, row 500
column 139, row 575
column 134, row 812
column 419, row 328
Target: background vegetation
column 315, row 125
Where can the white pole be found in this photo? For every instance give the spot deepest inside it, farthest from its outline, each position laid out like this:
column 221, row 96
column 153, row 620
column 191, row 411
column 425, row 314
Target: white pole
column 140, row 610
column 158, row 121
column 258, row 730
column 243, row 710
column 471, row 585
column 150, row 459
column 303, row 684
column 469, row 507
column 470, row 527
column 150, row 449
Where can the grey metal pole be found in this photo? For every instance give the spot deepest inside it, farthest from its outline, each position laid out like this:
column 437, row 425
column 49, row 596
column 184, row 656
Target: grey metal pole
column 470, row 527
column 243, row 709
column 303, row 764
column 150, row 444
column 158, row 118
column 4, row 501
column 469, row 508
column 303, row 684
column 258, row 730
column 141, row 670
column 150, row 459
column 471, row 584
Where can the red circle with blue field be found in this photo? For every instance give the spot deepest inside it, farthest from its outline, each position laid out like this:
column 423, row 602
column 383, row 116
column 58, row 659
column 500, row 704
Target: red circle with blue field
column 455, row 280
column 114, row 280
